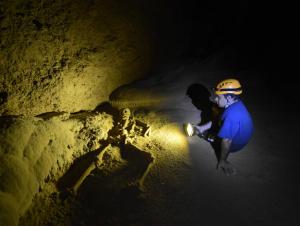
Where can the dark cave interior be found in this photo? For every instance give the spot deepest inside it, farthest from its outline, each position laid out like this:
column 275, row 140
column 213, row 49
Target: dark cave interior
column 259, row 36
column 63, row 66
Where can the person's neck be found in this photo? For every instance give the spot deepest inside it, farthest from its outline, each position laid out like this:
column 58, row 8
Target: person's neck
column 230, row 103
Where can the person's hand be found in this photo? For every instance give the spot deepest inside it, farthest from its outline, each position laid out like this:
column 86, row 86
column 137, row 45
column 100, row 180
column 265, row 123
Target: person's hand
column 226, row 167
column 198, row 129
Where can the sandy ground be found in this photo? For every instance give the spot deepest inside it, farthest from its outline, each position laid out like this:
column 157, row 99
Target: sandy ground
column 181, row 185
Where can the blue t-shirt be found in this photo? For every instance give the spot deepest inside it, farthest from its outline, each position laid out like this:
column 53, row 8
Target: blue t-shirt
column 237, row 125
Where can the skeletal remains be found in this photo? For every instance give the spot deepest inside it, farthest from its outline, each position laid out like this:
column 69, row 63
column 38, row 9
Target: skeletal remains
column 122, row 135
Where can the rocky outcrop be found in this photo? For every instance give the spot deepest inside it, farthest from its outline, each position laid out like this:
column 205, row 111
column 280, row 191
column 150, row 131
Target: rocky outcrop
column 36, row 151
column 67, row 55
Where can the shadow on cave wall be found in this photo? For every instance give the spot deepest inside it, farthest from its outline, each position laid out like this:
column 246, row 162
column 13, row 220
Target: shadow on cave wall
column 200, row 95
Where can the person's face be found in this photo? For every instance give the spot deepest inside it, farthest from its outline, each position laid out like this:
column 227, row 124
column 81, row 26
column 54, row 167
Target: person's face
column 220, row 100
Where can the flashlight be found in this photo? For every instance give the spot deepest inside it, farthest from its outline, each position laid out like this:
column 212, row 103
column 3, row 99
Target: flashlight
column 188, row 129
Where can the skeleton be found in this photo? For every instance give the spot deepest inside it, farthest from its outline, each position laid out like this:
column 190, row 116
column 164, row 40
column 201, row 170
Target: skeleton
column 128, row 127
column 122, row 135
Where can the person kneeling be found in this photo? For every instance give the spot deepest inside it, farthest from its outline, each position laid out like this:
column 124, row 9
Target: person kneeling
column 236, row 125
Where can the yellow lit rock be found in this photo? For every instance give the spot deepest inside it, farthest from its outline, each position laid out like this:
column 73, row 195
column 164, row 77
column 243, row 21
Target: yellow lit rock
column 68, row 55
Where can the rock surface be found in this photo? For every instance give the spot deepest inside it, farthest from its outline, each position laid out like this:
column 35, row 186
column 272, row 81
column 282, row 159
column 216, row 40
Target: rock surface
column 68, row 55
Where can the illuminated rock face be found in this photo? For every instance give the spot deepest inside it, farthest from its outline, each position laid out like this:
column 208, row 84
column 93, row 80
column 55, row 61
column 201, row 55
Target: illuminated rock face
column 67, row 55
column 37, row 150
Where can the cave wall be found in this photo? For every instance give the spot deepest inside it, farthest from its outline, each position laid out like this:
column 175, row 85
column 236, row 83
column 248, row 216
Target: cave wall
column 59, row 56
column 68, row 55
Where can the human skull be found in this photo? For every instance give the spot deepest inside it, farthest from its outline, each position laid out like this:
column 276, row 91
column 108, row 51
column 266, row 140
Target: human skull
column 125, row 114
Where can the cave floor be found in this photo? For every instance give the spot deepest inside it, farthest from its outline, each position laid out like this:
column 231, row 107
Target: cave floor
column 183, row 186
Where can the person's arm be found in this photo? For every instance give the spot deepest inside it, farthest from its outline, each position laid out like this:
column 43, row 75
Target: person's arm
column 204, row 127
column 225, row 148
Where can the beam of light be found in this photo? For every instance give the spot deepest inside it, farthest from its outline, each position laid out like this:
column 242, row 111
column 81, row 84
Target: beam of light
column 172, row 139
column 175, row 137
